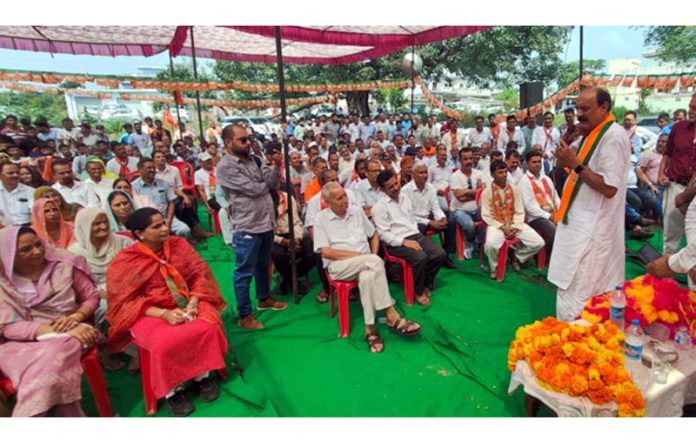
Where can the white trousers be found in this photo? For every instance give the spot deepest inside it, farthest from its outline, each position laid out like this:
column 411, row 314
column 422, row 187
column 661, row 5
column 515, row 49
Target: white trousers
column 179, row 228
column 372, row 282
column 673, row 219
column 531, row 243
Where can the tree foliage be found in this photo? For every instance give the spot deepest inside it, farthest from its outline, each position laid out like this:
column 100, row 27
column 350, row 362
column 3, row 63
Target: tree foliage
column 34, row 104
column 502, row 56
column 673, row 43
column 184, row 72
column 510, row 99
column 568, row 72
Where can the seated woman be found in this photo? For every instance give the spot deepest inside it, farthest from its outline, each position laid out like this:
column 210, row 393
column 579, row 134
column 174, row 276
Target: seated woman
column 45, row 295
column 163, row 296
column 69, row 210
column 28, row 175
column 119, row 207
column 141, row 201
column 48, row 223
column 95, row 242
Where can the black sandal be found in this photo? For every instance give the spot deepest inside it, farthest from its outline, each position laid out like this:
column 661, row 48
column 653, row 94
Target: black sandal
column 401, row 326
column 373, row 340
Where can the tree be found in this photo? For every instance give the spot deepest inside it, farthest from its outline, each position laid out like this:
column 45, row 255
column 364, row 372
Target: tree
column 568, row 72
column 674, row 43
column 642, row 107
column 34, row 104
column 510, row 99
column 184, row 72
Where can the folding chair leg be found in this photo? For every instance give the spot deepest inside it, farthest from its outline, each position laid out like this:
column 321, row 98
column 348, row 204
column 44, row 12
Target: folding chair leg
column 407, row 274
column 502, row 261
column 145, row 370
column 460, row 243
column 97, row 383
column 343, row 313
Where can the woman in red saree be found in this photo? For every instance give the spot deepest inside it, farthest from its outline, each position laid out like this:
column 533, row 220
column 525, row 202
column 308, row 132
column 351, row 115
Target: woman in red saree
column 163, row 296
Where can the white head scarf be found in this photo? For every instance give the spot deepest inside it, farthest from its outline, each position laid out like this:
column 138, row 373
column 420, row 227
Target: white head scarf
column 99, row 260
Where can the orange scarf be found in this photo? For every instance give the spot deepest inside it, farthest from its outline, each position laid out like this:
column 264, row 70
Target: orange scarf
column 429, row 152
column 503, row 211
column 212, row 181
column 572, row 184
column 545, row 197
column 123, row 172
column 495, row 132
column 175, row 281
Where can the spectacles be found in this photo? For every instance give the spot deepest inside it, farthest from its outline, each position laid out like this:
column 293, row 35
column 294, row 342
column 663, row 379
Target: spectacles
column 243, row 139
column 471, row 186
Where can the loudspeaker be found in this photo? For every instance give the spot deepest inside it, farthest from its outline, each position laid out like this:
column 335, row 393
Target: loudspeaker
column 531, row 94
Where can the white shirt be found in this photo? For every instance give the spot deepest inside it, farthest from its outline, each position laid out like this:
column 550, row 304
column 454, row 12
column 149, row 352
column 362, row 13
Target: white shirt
column 367, row 196
column 476, row 139
column 548, row 140
column 16, row 205
column 423, row 202
column 346, row 164
column 394, row 220
column 80, row 193
column 114, row 167
column 202, row 178
column 102, row 189
column 504, row 139
column 314, row 207
column 460, row 181
column 171, row 175
column 447, row 140
column 439, row 176
column 349, row 233
column 531, row 206
column 515, row 176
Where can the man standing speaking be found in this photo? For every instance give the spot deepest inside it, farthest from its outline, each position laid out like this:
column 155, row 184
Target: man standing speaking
column 588, row 254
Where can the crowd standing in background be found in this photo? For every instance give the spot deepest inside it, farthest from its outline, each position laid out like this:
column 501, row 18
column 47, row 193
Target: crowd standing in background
column 362, row 189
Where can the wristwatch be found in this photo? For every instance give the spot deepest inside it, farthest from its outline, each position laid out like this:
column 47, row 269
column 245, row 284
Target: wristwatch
column 578, row 169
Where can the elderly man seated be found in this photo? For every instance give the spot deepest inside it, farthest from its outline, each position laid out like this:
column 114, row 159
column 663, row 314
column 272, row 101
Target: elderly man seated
column 340, row 235
column 396, row 223
column 503, row 211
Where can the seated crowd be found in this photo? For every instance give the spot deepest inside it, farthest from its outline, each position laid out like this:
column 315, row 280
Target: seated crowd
column 89, row 258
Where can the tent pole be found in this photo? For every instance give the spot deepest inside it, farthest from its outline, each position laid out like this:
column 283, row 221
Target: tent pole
column 581, row 58
column 413, row 74
column 289, row 187
column 198, row 93
column 171, row 73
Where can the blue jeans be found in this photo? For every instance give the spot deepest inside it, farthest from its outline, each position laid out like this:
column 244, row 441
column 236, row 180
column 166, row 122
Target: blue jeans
column 252, row 258
column 650, row 201
column 466, row 220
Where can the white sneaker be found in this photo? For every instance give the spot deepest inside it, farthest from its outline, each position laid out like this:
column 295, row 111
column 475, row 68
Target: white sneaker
column 468, row 253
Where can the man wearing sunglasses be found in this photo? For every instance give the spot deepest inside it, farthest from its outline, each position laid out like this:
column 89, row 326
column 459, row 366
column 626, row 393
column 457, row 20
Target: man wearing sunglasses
column 247, row 184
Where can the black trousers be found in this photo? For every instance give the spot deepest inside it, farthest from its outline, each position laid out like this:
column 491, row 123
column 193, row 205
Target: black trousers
column 450, row 234
column 425, row 263
column 559, row 176
column 304, row 257
column 546, row 229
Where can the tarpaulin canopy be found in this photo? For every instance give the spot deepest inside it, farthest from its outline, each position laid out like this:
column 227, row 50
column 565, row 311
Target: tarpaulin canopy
column 301, row 44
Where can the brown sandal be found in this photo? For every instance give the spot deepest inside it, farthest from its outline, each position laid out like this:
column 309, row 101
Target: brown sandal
column 423, row 300
column 403, row 327
column 374, row 340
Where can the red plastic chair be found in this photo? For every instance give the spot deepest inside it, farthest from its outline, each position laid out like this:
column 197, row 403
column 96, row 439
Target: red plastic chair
column 406, row 274
column 95, row 379
column 145, row 369
column 186, row 172
column 343, row 289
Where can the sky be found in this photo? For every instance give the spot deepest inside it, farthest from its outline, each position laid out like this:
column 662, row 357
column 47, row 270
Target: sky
column 600, row 42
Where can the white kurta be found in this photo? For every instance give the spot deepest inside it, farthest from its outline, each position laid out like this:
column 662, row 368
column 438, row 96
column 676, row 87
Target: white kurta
column 589, row 254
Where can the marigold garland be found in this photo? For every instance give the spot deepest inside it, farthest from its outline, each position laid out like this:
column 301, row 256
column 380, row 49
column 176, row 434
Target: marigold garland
column 580, row 361
column 649, row 300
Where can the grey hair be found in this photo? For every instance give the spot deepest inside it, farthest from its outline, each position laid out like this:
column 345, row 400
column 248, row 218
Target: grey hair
column 326, row 190
column 419, row 164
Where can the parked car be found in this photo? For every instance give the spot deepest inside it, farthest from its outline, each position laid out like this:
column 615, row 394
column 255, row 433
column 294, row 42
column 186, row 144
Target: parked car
column 122, row 114
column 649, row 122
column 257, row 125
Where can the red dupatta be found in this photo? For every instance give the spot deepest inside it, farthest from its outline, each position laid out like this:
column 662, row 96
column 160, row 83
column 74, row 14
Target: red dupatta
column 136, row 281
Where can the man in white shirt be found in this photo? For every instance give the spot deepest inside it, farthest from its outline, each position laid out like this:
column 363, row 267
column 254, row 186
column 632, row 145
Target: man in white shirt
column 482, row 159
column 503, row 211
column 366, row 128
column 205, row 182
column 71, row 190
column 122, row 165
column 464, row 184
column 369, row 191
column 86, row 136
column 439, row 175
column 425, row 206
column 548, row 138
column 511, row 133
column 341, row 238
column 396, row 223
column 429, row 130
column 515, row 173
column 96, row 181
column 540, row 199
column 138, row 138
column 452, row 138
column 479, row 135
column 16, row 199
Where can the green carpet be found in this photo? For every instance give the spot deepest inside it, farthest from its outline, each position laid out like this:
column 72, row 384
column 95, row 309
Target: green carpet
column 298, row 367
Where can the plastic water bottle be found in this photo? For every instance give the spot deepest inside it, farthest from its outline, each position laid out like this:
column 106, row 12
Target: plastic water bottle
column 617, row 311
column 682, row 339
column 634, row 342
